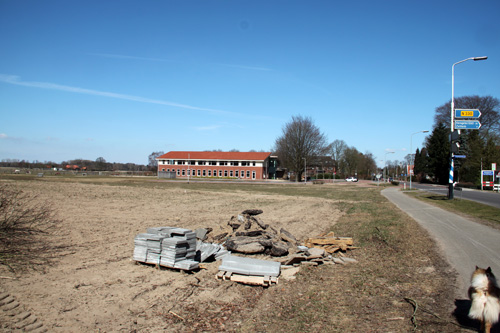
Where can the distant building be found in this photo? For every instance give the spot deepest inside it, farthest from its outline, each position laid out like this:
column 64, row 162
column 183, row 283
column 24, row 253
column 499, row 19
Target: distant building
column 216, row 164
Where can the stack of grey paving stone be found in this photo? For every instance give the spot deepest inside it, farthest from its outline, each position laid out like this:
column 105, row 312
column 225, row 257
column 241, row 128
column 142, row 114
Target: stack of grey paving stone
column 167, row 246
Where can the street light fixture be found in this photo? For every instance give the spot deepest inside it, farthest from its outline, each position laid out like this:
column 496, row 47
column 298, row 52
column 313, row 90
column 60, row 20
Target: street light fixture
column 412, row 159
column 452, row 125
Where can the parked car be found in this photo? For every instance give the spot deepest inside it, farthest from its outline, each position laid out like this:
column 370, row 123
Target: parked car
column 351, row 179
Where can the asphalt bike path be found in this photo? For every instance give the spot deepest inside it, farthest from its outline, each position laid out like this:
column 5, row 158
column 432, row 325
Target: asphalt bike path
column 464, row 243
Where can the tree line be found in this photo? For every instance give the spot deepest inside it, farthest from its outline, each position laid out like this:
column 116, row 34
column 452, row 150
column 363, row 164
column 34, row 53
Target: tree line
column 99, row 164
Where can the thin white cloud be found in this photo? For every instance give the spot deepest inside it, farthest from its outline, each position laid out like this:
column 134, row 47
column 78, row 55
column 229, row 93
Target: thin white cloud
column 3, row 136
column 15, row 80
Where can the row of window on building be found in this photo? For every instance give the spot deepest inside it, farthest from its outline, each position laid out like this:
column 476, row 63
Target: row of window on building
column 208, row 173
column 214, row 163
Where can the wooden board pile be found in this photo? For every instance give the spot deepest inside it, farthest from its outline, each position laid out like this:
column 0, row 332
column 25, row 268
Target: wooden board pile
column 330, row 243
column 167, row 246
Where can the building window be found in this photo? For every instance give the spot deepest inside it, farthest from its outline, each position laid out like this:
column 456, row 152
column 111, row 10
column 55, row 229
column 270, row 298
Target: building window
column 204, row 172
column 220, row 173
column 215, row 173
column 225, row 173
column 209, row 173
column 253, row 174
column 183, row 172
column 189, row 172
column 178, row 172
column 236, row 174
column 199, row 172
column 231, row 173
column 248, row 174
column 162, row 169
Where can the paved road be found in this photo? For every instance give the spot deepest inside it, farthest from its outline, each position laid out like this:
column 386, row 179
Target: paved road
column 485, row 197
column 464, row 243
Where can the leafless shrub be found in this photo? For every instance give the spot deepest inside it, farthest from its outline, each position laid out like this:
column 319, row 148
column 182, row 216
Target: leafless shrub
column 26, row 224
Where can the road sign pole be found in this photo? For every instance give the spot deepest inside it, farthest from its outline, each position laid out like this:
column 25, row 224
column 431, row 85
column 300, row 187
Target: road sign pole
column 452, row 128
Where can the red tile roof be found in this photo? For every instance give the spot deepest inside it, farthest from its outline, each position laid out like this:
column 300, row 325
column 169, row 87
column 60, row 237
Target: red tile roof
column 214, row 155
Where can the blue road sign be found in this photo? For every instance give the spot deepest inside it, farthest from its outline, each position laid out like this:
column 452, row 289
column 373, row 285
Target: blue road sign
column 459, row 156
column 467, row 113
column 467, row 124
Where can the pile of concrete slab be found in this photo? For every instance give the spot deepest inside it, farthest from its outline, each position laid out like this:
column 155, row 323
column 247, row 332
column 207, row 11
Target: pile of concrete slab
column 167, row 246
column 175, row 248
column 249, row 270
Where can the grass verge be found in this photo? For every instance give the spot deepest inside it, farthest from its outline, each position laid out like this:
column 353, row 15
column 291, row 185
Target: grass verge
column 473, row 209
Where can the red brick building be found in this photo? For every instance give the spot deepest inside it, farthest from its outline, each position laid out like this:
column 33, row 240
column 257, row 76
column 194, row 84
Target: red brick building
column 216, row 164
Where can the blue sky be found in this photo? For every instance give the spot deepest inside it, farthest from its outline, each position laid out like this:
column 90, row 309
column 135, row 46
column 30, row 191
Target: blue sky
column 121, row 79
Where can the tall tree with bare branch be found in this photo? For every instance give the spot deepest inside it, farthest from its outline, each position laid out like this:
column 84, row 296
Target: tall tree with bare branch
column 301, row 141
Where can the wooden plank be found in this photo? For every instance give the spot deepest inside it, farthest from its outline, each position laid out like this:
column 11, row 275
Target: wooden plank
column 294, row 260
column 220, row 275
column 247, row 279
column 332, row 249
column 330, row 241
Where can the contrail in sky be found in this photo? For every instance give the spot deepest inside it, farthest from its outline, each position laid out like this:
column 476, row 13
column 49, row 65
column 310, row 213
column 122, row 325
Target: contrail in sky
column 14, row 79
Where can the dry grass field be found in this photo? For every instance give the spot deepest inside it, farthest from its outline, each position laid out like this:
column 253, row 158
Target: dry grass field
column 93, row 285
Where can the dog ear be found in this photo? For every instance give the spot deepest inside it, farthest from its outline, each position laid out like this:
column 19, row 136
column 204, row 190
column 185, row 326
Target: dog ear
column 488, row 270
column 477, row 267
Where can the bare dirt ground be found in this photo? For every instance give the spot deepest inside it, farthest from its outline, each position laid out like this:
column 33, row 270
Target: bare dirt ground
column 95, row 286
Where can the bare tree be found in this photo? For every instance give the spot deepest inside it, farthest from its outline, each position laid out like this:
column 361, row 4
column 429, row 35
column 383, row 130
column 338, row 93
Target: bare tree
column 152, row 162
column 301, row 141
column 337, row 149
column 350, row 160
column 100, row 164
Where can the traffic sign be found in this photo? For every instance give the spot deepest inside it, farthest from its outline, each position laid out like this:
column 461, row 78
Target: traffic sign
column 467, row 113
column 467, row 124
column 459, row 156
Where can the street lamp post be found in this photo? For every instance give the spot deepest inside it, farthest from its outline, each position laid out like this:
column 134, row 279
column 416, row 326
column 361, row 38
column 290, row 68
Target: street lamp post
column 452, row 125
column 412, row 159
